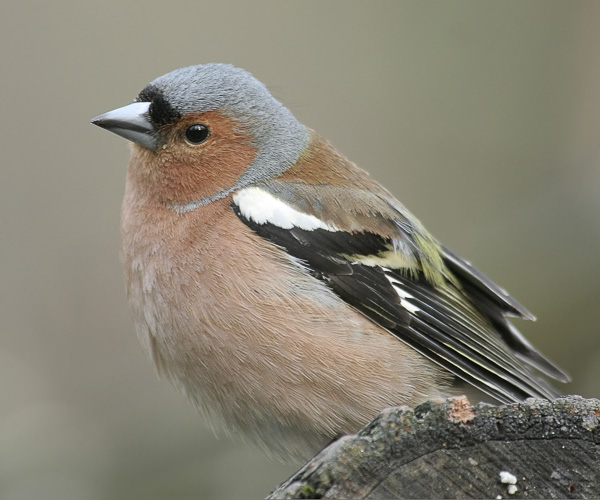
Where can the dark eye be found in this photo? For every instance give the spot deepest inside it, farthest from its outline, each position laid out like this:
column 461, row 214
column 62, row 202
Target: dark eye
column 197, row 133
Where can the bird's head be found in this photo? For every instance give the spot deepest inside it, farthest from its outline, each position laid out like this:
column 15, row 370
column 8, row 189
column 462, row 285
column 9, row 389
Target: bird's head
column 201, row 132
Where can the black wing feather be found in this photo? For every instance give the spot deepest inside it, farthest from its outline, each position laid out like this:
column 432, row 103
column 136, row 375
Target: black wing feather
column 461, row 328
column 496, row 303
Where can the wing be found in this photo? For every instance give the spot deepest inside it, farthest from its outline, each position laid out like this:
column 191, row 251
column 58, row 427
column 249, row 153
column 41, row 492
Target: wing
column 445, row 309
column 494, row 299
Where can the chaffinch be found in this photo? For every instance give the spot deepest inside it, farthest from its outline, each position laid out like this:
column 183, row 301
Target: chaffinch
column 289, row 295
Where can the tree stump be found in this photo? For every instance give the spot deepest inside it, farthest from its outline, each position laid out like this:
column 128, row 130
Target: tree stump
column 450, row 449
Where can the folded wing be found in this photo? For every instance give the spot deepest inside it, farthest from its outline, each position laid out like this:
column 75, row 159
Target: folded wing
column 388, row 270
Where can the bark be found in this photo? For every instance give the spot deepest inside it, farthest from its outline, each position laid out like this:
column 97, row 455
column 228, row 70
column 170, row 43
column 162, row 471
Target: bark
column 450, row 449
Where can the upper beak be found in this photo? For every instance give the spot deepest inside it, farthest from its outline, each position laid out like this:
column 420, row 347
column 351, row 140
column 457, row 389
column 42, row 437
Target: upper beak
column 132, row 122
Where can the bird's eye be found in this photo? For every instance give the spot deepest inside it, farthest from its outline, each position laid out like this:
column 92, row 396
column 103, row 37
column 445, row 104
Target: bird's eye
column 197, row 133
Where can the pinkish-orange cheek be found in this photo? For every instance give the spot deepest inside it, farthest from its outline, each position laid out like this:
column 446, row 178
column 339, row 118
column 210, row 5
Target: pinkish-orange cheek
column 182, row 172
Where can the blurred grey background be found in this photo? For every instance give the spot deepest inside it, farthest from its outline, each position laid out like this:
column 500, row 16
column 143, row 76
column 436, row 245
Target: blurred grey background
column 482, row 117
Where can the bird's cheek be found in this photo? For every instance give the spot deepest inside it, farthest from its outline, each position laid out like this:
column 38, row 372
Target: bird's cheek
column 179, row 172
column 218, row 162
column 186, row 174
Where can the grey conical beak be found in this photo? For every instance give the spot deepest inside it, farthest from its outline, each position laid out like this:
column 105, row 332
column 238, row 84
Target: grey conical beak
column 132, row 122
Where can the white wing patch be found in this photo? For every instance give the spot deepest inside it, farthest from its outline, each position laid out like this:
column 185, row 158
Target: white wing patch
column 262, row 207
column 404, row 295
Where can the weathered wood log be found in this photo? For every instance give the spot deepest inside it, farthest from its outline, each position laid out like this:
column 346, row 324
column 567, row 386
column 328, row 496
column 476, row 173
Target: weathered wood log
column 450, row 449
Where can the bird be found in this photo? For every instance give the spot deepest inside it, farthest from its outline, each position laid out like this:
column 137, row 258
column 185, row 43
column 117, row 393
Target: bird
column 284, row 291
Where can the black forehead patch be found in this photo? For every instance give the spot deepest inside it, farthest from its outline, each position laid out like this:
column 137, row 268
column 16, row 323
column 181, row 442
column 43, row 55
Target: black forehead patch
column 161, row 112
